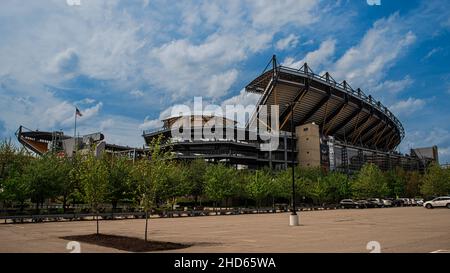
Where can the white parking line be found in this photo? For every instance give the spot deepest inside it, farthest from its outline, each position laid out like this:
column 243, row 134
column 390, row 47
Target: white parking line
column 441, row 251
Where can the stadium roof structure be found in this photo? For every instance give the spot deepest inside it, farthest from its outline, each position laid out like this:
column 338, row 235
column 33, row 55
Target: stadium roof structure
column 347, row 114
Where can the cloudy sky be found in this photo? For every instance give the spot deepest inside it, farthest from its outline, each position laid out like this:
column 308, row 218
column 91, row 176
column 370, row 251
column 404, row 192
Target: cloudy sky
column 125, row 63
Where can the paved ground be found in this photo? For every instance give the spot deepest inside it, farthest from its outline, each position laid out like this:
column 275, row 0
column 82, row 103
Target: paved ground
column 412, row 229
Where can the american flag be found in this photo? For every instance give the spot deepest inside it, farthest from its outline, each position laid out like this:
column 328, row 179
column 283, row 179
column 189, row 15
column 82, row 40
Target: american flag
column 77, row 112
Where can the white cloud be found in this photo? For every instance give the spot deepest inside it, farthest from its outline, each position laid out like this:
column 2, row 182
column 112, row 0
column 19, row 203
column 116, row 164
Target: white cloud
column 117, row 130
column 243, row 98
column 150, row 124
column 287, row 42
column 137, row 93
column 407, row 107
column 63, row 114
column 219, row 84
column 65, row 63
column 366, row 63
column 85, row 101
column 427, row 138
column 393, row 86
column 316, row 59
column 274, row 14
column 444, row 152
column 431, row 53
column 107, row 124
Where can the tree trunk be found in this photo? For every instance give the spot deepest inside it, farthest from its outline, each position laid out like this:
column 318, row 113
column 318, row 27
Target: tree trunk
column 273, row 204
column 98, row 232
column 146, row 224
column 64, row 203
column 114, row 205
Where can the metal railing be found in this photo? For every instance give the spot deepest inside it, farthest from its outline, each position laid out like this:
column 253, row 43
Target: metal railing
column 306, row 72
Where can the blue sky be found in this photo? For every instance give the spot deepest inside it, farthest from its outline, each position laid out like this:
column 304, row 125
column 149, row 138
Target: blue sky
column 125, row 63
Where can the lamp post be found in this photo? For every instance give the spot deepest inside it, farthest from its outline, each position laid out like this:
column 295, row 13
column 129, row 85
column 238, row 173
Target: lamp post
column 293, row 218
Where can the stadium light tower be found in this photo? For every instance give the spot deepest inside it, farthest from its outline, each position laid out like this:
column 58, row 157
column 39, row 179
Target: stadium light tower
column 293, row 218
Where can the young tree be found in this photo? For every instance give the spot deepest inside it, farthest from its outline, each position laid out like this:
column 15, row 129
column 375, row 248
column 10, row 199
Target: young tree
column 45, row 176
column 173, row 183
column 119, row 171
column 74, row 189
column 260, row 186
column 318, row 189
column 283, row 183
column 15, row 189
column 369, row 182
column 338, row 186
column 94, row 181
column 219, row 182
column 64, row 184
column 436, row 181
column 241, row 179
column 396, row 181
column 13, row 185
column 150, row 174
column 144, row 187
column 195, row 177
column 413, row 183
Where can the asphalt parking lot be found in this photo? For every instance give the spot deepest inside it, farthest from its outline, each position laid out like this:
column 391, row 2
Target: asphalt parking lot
column 406, row 229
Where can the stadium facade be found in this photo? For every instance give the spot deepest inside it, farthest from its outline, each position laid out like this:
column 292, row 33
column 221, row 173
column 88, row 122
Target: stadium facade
column 318, row 123
column 322, row 123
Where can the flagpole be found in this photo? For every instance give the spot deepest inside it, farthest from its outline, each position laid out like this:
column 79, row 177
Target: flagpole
column 75, row 132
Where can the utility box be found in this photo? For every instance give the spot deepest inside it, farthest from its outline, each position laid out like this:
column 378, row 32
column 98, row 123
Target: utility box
column 308, row 145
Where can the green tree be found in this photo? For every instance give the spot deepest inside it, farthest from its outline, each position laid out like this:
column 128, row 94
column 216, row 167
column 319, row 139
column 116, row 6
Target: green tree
column 396, row 182
column 15, row 189
column 436, row 181
column 241, row 179
column 94, row 181
column 65, row 185
column 369, row 182
column 150, row 175
column 45, row 176
column 13, row 185
column 195, row 177
column 413, row 183
column 338, row 186
column 260, row 186
column 310, row 183
column 74, row 189
column 173, row 183
column 283, row 182
column 145, row 188
column 219, row 182
column 119, row 172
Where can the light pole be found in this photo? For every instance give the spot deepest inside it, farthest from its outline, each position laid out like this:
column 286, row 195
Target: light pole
column 293, row 218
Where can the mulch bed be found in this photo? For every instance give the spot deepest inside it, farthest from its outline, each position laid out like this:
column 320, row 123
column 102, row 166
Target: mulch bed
column 125, row 243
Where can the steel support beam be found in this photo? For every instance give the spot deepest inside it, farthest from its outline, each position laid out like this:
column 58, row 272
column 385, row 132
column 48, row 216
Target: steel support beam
column 345, row 121
column 387, row 140
column 315, row 109
column 384, row 135
column 332, row 116
column 359, row 126
column 286, row 113
column 365, row 134
column 364, row 130
column 379, row 135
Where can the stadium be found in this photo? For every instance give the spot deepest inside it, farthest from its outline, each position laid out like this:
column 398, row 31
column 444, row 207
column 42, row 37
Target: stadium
column 322, row 123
